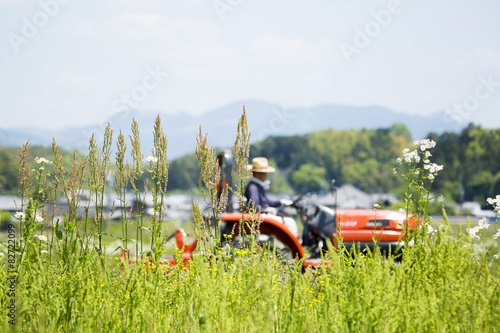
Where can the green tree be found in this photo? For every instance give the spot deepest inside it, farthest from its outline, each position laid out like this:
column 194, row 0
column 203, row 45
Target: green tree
column 279, row 182
column 309, row 177
column 402, row 130
column 184, row 173
column 8, row 171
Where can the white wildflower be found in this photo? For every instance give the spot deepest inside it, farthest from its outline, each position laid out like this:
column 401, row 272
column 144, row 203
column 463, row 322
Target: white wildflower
column 495, row 203
column 40, row 160
column 425, row 144
column 41, row 237
column 20, row 215
column 473, row 233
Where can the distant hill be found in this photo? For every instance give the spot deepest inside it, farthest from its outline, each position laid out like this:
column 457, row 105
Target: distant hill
column 264, row 119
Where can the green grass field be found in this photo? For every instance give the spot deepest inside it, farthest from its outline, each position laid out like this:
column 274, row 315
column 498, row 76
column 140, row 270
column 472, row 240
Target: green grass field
column 443, row 285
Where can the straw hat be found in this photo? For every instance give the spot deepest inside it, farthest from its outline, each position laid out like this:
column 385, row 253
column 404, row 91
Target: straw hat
column 260, row 164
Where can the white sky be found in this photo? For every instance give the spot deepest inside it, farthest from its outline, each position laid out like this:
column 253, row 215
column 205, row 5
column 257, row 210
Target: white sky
column 423, row 57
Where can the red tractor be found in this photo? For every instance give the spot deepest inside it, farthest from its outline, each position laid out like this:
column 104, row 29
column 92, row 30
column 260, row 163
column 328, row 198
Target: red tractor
column 352, row 227
column 362, row 228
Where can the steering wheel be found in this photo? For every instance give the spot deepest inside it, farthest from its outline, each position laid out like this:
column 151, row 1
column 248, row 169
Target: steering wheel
column 296, row 201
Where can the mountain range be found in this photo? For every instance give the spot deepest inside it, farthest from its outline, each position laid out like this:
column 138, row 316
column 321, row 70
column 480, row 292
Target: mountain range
column 264, row 119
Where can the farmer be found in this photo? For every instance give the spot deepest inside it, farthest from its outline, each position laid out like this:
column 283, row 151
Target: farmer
column 255, row 193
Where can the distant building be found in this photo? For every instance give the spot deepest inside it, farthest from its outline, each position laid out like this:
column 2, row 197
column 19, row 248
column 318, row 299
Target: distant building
column 473, row 209
column 350, row 197
column 8, row 203
column 176, row 206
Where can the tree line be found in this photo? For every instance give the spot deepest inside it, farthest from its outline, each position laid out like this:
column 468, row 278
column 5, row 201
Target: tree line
column 472, row 166
column 364, row 158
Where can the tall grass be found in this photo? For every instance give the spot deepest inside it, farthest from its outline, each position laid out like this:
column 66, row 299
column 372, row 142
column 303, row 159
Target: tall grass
column 122, row 176
column 99, row 167
column 136, row 172
column 445, row 282
column 158, row 170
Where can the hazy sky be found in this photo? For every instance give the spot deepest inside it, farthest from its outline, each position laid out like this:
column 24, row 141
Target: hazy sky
column 70, row 62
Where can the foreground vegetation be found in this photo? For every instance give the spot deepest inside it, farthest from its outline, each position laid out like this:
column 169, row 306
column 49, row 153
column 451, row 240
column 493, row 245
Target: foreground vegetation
column 441, row 287
column 61, row 279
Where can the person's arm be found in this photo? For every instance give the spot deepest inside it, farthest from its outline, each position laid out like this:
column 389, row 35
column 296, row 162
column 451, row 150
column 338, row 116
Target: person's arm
column 272, row 203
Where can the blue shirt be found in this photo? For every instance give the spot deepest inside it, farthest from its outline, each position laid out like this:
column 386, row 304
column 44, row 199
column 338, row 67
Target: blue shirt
column 256, row 195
